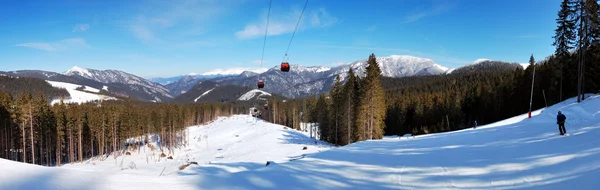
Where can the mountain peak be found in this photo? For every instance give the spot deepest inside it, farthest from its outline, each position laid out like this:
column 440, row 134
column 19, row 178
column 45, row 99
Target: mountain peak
column 78, row 70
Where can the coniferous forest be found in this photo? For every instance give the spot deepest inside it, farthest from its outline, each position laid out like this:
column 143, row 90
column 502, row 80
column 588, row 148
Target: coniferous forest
column 33, row 131
column 369, row 107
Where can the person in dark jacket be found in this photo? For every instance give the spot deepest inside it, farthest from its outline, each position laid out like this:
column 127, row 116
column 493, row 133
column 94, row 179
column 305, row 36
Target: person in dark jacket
column 560, row 120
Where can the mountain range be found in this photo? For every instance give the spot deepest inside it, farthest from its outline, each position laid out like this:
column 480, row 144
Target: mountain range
column 232, row 84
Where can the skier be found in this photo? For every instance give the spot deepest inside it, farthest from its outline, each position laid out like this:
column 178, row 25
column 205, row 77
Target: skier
column 560, row 120
column 475, row 126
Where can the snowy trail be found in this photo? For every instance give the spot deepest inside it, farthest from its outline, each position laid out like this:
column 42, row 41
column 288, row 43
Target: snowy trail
column 517, row 153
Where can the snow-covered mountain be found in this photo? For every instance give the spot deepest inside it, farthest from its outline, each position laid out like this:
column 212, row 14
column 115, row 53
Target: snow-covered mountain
column 397, row 66
column 304, row 81
column 165, row 80
column 209, row 91
column 156, row 91
column 186, row 82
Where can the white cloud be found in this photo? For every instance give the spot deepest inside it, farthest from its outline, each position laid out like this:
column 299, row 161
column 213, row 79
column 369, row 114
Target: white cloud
column 285, row 22
column 81, row 27
column 62, row 45
column 143, row 33
column 167, row 23
column 436, row 9
column 40, row 46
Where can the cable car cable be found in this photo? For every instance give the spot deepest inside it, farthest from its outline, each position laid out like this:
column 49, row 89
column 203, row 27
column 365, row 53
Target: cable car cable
column 293, row 34
column 265, row 40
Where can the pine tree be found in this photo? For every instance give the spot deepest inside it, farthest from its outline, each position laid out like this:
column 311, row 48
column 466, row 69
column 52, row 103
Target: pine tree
column 335, row 94
column 322, row 114
column 531, row 60
column 564, row 38
column 350, row 102
column 372, row 107
column 61, row 125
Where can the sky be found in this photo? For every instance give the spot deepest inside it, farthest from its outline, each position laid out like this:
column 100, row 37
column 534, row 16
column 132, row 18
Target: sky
column 157, row 38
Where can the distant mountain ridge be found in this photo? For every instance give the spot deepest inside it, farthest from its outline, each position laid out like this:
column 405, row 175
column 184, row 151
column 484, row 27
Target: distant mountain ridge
column 158, row 92
column 304, row 81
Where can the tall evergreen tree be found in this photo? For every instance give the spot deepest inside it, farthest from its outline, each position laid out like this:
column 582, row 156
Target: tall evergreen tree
column 336, row 103
column 564, row 38
column 372, row 107
column 322, row 114
column 350, row 104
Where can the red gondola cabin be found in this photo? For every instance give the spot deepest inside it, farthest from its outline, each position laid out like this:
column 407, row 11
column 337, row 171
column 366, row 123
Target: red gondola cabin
column 266, row 107
column 285, row 66
column 261, row 84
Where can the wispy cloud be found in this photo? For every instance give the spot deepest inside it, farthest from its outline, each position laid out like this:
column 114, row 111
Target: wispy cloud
column 285, row 22
column 62, row 45
column 170, row 23
column 436, row 8
column 37, row 45
column 81, row 27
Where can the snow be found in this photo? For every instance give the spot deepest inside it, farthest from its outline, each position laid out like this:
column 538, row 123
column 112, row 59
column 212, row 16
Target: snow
column 105, row 88
column 228, row 145
column 450, row 70
column 208, row 91
column 516, row 153
column 395, row 66
column 477, row 61
column 251, row 94
column 78, row 70
column 524, row 65
column 76, row 95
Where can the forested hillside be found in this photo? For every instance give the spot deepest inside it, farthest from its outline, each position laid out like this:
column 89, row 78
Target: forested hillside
column 17, row 85
column 35, row 132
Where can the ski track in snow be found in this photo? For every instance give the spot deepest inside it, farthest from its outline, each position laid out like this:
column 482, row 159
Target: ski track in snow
column 516, row 153
column 208, row 91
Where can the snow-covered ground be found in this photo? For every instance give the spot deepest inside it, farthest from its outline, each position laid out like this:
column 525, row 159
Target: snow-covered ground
column 78, row 96
column 253, row 93
column 517, row 153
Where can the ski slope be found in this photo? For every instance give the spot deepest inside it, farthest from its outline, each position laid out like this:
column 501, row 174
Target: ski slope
column 517, row 153
column 203, row 94
column 253, row 93
column 78, row 96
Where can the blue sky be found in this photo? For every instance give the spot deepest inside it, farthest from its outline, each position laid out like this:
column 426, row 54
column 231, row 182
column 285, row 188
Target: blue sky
column 157, row 38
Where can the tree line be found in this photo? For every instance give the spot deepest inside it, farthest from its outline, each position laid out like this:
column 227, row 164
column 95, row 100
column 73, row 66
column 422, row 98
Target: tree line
column 367, row 108
column 33, row 131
